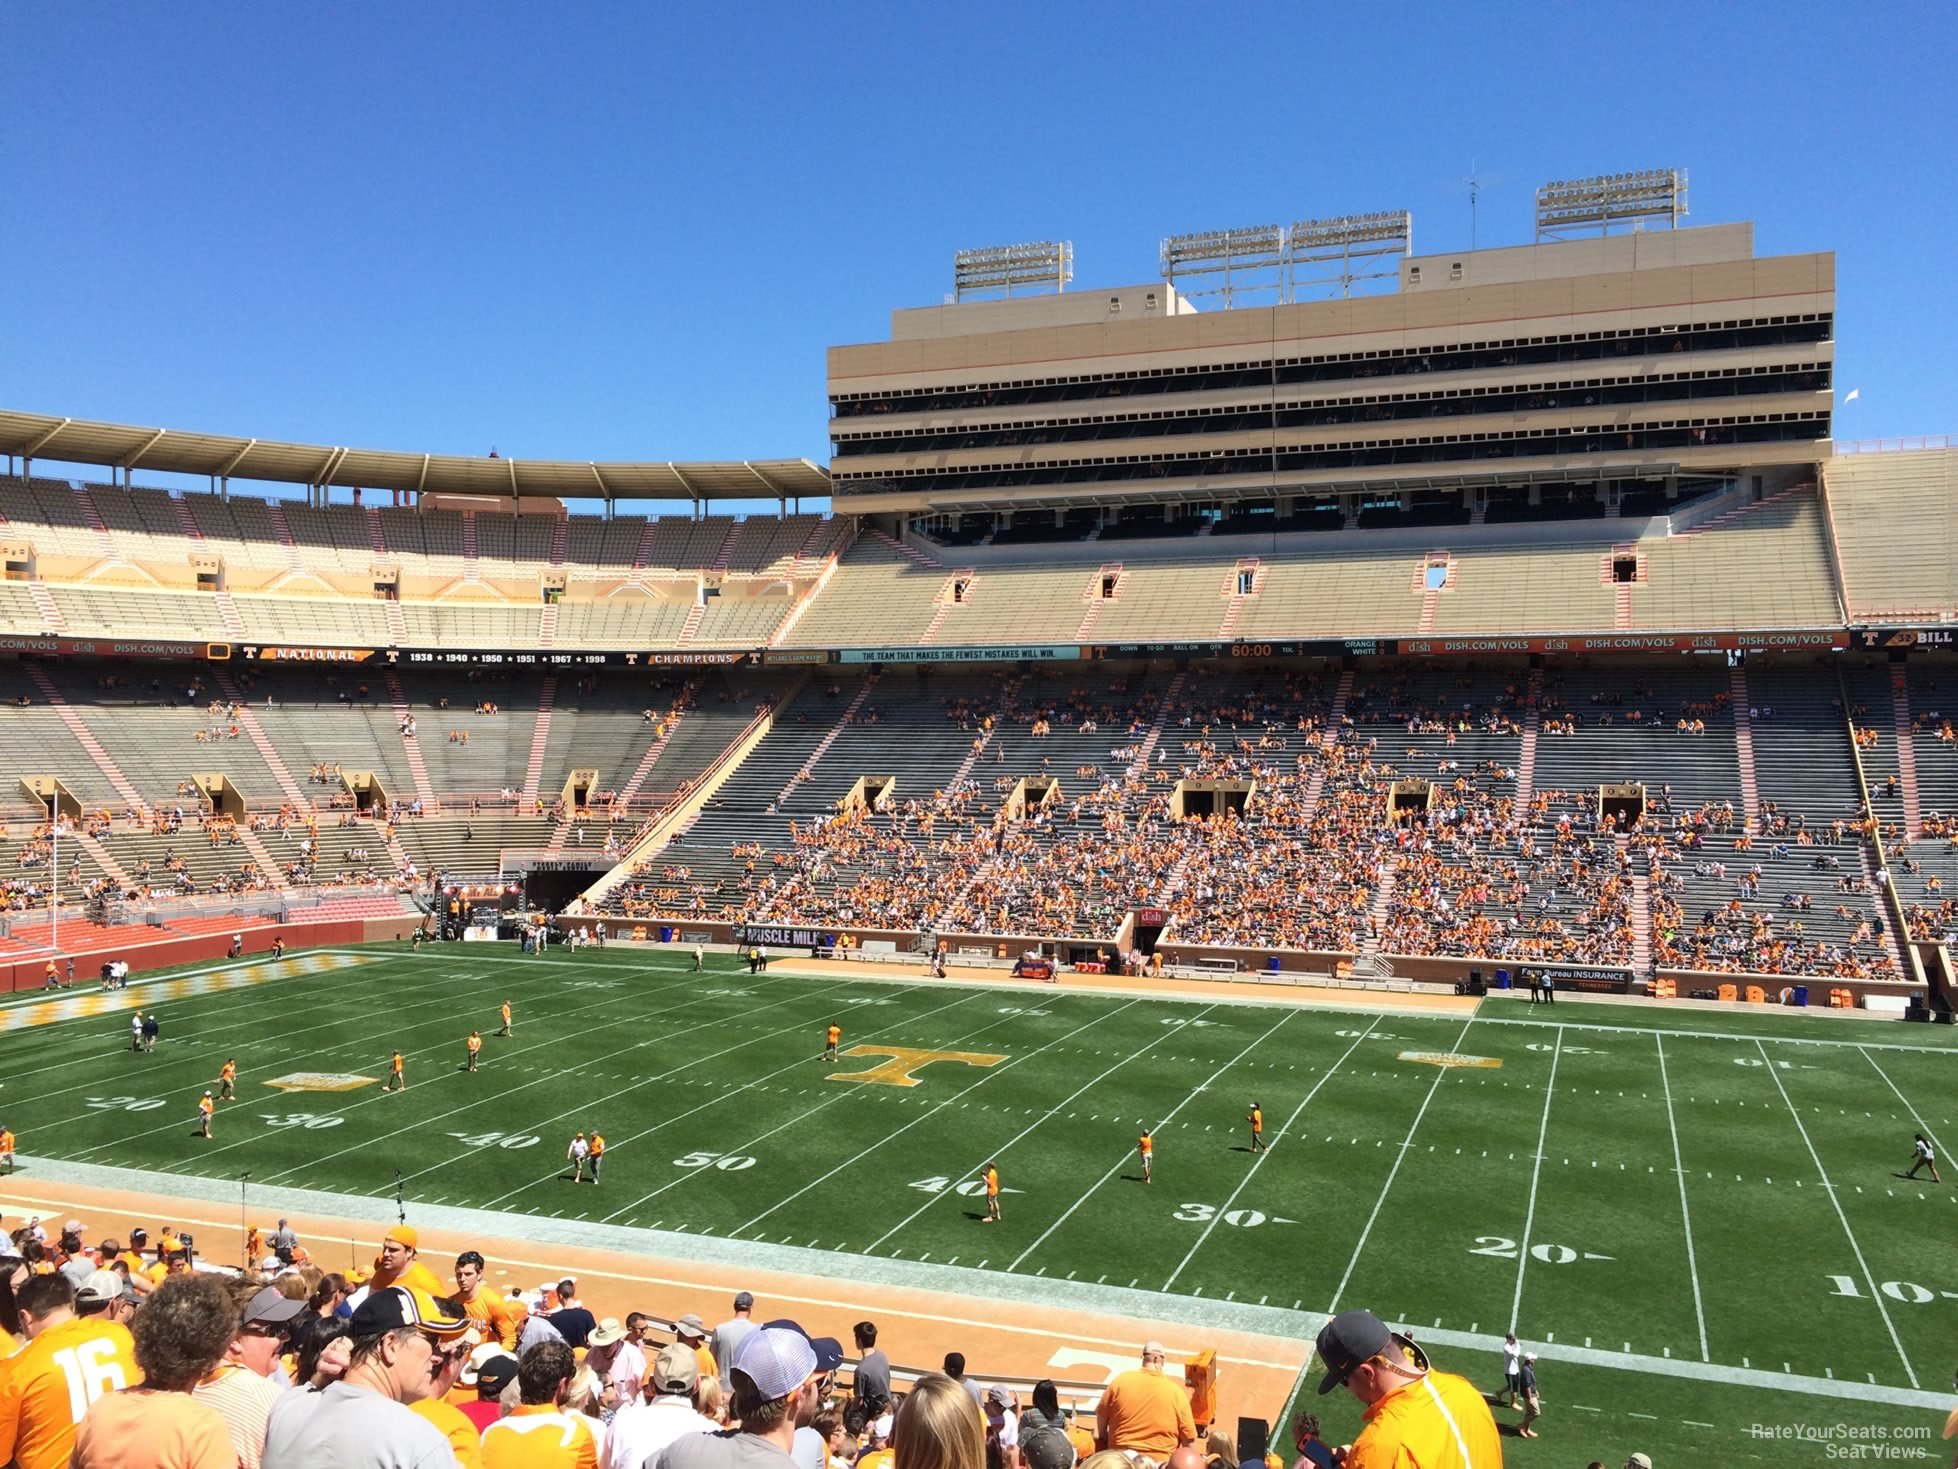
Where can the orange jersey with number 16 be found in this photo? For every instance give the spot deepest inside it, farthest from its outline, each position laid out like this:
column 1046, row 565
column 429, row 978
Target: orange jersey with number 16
column 49, row 1384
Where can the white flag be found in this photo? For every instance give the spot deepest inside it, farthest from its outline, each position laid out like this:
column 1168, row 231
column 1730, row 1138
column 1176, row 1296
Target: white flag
column 1851, row 396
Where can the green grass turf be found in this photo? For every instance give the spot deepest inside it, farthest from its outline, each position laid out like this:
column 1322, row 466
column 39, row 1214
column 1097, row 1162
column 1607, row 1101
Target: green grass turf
column 1418, row 1191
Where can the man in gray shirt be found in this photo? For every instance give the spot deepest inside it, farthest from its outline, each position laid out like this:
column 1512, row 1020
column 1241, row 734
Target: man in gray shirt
column 729, row 1335
column 402, row 1340
column 775, row 1392
column 873, row 1380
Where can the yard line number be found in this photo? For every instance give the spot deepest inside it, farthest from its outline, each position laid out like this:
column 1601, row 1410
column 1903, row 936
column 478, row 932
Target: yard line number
column 1907, row 1291
column 496, row 1139
column 1501, row 1247
column 726, row 1162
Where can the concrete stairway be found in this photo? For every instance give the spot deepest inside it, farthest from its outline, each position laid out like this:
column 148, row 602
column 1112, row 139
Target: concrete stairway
column 84, row 736
column 1139, row 767
column 560, row 538
column 50, row 610
column 283, row 529
column 417, row 767
column 547, row 626
column 472, row 566
column 1888, row 907
column 267, row 863
column 835, row 733
column 1383, row 900
column 186, row 522
column 651, row 758
column 691, row 627
column 1532, row 728
column 533, row 774
column 905, row 549
column 1750, row 790
column 1906, row 747
column 376, row 534
column 255, row 732
column 104, row 859
column 234, row 625
column 397, row 623
column 1315, row 783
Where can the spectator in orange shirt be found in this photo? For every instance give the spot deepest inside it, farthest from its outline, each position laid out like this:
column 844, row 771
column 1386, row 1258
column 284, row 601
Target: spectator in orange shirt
column 399, row 1263
column 485, row 1307
column 1145, row 1410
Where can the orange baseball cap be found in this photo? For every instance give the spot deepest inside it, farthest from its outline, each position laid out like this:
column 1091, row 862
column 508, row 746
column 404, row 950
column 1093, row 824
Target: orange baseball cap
column 403, row 1234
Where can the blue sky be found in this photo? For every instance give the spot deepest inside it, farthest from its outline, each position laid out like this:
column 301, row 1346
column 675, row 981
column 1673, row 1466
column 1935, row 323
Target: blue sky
column 629, row 231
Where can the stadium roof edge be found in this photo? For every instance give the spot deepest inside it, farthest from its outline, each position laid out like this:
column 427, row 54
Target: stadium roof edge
column 32, row 436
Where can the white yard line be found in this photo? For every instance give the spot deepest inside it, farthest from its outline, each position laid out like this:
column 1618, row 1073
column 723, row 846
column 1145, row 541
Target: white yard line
column 1685, row 1214
column 1258, row 1161
column 1536, row 1176
column 1128, row 1155
column 1400, row 1155
column 990, row 1073
column 1032, row 1127
column 1916, row 1116
column 1830, row 1189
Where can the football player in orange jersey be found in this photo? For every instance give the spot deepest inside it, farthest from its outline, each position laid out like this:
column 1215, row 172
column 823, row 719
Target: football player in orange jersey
column 597, row 1154
column 475, row 1048
column 7, row 1148
column 835, row 1035
column 205, row 1106
column 48, row 1385
column 397, row 1077
column 507, row 1028
column 1256, row 1117
column 992, row 1193
column 228, row 1081
column 1146, row 1146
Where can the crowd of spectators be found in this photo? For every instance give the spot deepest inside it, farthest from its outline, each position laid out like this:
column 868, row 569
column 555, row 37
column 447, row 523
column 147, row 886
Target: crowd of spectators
column 197, row 1366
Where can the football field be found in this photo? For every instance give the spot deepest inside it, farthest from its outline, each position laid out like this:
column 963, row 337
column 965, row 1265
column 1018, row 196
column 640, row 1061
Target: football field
column 1697, row 1219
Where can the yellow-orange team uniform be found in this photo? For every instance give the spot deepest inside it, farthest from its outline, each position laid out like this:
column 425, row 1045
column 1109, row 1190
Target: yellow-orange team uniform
column 7, row 1147
column 1430, row 1421
column 541, row 1436
column 835, row 1037
column 205, row 1107
column 493, row 1317
column 48, row 1385
column 228, row 1074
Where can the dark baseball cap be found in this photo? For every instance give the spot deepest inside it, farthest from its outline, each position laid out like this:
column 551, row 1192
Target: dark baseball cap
column 1353, row 1338
column 828, row 1350
column 1048, row 1448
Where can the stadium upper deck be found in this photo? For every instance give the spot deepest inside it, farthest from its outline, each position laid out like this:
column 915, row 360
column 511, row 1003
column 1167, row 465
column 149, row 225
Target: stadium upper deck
column 1556, row 380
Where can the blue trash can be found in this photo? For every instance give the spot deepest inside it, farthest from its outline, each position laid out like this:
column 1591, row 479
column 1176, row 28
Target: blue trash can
column 1801, row 994
column 1502, row 979
column 666, row 935
column 1274, row 964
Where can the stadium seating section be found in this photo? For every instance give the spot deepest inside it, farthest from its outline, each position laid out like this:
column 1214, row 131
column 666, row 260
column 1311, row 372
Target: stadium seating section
column 1019, row 801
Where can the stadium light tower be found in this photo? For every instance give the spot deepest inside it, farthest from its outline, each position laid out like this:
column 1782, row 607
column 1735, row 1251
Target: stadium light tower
column 1324, row 254
column 1249, row 260
column 1573, row 208
column 1040, row 264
